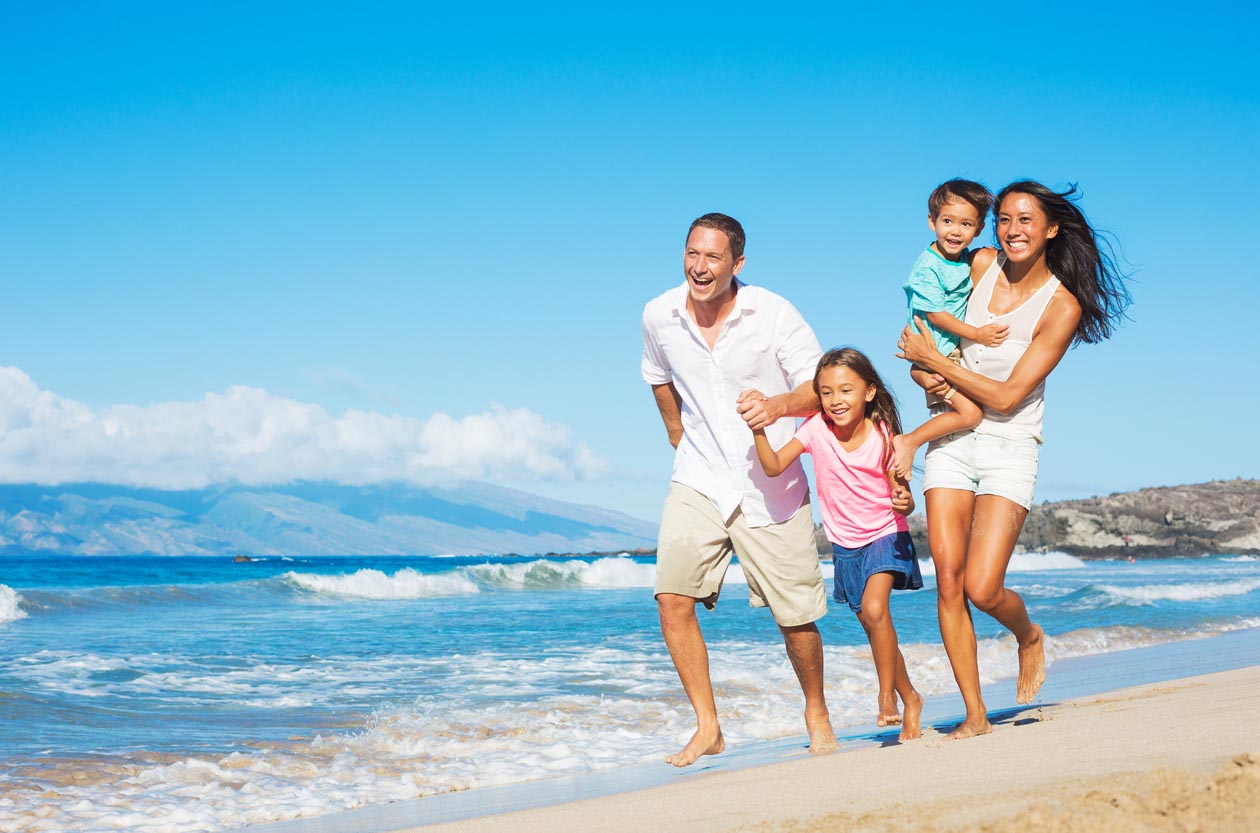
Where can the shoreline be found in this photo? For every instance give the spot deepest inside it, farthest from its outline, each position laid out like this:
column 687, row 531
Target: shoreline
column 1161, row 756
column 1081, row 691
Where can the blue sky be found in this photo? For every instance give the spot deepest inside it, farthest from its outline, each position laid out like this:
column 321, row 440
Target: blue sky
column 267, row 241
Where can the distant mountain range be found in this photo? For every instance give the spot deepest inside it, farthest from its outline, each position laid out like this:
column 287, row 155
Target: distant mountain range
column 477, row 519
column 306, row 519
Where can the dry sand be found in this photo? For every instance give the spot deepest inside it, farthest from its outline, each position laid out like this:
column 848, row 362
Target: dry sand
column 1175, row 756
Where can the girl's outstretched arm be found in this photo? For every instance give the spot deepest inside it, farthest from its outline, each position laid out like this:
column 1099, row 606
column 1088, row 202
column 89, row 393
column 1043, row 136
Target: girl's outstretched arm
column 774, row 462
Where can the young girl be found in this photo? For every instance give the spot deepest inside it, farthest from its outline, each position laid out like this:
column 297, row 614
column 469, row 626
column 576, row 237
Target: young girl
column 850, row 442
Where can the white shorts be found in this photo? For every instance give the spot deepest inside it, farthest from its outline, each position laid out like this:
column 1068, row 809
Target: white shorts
column 984, row 464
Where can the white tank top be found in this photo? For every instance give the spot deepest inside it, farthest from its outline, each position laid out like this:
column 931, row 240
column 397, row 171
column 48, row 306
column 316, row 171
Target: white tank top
column 998, row 362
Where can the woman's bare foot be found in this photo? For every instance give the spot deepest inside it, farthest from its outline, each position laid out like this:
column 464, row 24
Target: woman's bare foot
column 888, row 714
column 1032, row 666
column 970, row 729
column 822, row 738
column 910, row 725
column 708, row 743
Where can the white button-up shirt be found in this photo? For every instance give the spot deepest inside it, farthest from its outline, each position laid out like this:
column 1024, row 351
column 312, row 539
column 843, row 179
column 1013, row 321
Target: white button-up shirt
column 764, row 344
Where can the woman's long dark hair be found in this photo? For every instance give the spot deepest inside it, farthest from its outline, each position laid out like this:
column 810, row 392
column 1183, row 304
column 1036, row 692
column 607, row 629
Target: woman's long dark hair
column 882, row 410
column 1081, row 259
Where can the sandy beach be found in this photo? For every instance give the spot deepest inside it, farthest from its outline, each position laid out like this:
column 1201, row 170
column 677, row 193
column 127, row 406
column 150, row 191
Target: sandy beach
column 1181, row 755
column 1097, row 753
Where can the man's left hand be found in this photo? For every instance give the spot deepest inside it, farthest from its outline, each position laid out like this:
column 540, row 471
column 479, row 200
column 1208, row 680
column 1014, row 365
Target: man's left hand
column 759, row 410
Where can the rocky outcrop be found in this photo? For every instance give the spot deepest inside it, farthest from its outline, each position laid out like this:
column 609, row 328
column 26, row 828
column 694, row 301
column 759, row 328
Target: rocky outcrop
column 1220, row 517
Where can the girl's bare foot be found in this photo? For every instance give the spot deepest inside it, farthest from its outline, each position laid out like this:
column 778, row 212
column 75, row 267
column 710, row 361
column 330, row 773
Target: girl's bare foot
column 707, row 743
column 888, row 714
column 910, row 726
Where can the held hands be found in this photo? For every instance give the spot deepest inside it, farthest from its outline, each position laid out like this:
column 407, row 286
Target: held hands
column 991, row 335
column 902, row 499
column 759, row 410
column 899, row 474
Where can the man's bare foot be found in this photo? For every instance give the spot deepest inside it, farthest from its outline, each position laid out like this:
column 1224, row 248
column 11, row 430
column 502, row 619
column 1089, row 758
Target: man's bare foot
column 822, row 738
column 708, row 743
column 970, row 729
column 888, row 714
column 910, row 726
column 1032, row 667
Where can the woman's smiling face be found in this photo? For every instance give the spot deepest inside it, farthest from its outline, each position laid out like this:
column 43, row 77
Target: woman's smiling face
column 1023, row 227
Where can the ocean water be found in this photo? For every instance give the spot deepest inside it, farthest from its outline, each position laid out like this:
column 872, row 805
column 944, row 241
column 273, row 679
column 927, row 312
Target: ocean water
column 197, row 694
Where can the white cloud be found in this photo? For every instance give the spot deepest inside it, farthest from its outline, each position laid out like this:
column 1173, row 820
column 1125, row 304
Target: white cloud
column 249, row 436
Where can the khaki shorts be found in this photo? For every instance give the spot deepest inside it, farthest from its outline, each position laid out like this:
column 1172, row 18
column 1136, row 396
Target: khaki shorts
column 956, row 357
column 780, row 561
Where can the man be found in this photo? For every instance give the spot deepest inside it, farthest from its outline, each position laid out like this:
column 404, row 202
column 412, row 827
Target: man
column 723, row 357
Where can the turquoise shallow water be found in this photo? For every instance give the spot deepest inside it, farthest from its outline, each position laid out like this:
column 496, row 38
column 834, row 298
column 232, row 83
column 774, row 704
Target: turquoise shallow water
column 181, row 694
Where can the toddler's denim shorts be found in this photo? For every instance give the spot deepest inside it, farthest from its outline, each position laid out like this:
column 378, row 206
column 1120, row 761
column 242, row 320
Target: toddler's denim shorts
column 854, row 565
column 985, row 464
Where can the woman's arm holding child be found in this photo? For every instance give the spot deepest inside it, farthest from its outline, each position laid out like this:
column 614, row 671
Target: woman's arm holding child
column 1051, row 340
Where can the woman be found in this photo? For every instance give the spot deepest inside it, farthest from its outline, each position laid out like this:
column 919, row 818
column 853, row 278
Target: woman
column 1054, row 287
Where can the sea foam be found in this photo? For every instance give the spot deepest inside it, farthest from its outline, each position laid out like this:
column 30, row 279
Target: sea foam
column 466, row 739
column 375, row 584
column 615, row 572
column 1022, row 562
column 1148, row 594
column 545, row 574
column 10, row 605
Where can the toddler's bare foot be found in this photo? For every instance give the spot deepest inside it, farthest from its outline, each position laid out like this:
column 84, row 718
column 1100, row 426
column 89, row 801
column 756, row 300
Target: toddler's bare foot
column 701, row 743
column 910, row 725
column 903, row 455
column 1032, row 666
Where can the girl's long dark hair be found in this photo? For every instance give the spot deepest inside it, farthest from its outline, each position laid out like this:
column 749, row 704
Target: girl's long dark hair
column 882, row 410
column 1081, row 259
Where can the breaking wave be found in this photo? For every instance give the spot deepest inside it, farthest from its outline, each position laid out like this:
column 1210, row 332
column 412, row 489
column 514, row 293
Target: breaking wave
column 10, row 605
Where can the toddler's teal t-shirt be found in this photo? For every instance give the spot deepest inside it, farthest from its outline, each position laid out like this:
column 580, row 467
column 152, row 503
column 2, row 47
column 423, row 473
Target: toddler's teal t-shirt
column 938, row 285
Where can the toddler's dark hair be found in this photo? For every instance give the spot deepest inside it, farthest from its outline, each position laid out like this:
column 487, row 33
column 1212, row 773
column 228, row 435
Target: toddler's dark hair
column 980, row 198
